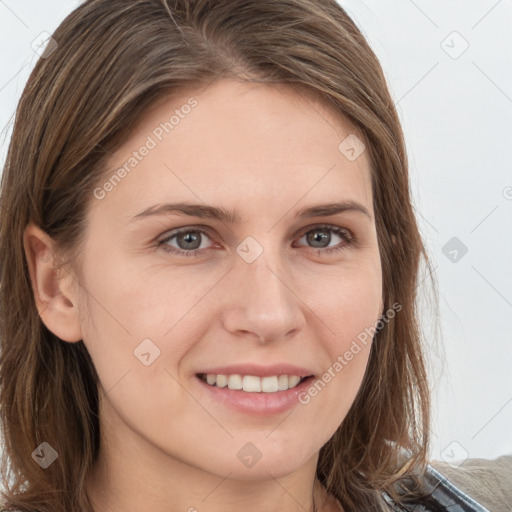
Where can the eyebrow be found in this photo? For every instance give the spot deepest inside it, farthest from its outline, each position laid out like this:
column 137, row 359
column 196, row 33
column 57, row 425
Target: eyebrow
column 234, row 217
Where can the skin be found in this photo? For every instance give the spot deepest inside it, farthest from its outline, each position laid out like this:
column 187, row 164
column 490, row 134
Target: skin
column 165, row 445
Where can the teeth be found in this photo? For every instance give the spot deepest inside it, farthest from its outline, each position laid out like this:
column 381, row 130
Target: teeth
column 253, row 384
column 234, row 381
column 222, row 381
column 293, row 380
column 269, row 384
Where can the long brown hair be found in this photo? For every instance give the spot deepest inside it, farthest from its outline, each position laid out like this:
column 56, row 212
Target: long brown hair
column 113, row 59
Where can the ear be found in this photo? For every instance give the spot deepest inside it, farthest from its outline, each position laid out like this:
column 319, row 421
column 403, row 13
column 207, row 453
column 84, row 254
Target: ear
column 54, row 294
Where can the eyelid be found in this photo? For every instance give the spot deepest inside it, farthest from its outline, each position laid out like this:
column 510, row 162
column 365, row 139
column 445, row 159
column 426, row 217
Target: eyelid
column 327, row 225
column 349, row 239
column 185, row 229
column 209, row 230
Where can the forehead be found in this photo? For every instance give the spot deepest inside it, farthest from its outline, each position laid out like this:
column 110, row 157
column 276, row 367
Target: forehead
column 260, row 144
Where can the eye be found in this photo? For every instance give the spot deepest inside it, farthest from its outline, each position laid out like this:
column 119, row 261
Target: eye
column 190, row 240
column 321, row 235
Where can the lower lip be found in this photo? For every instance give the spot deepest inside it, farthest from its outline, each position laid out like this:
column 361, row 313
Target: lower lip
column 257, row 404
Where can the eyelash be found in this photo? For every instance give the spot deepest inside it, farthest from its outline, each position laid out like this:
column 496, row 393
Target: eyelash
column 343, row 233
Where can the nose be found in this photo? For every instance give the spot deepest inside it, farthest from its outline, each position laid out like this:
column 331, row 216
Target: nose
column 262, row 301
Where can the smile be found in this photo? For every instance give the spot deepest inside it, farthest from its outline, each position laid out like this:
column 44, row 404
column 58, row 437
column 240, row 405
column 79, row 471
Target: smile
column 252, row 383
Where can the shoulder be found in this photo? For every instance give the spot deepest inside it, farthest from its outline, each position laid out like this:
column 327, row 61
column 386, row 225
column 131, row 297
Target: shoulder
column 476, row 485
column 486, row 481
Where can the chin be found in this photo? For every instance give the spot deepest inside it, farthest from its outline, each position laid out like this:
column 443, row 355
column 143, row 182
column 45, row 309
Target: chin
column 259, row 459
column 263, row 470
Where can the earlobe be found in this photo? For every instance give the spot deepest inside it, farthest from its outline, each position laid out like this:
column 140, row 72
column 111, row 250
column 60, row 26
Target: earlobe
column 54, row 294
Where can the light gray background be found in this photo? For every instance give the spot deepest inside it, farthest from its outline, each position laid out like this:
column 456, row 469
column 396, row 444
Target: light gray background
column 456, row 111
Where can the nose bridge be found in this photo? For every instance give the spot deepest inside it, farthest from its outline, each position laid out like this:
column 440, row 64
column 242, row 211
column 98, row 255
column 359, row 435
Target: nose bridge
column 265, row 273
column 264, row 301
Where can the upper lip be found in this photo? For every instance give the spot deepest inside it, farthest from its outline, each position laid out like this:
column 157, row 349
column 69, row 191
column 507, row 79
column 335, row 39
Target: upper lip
column 258, row 370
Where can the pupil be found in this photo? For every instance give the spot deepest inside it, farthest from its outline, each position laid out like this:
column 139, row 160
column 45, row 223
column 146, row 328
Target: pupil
column 322, row 236
column 189, row 238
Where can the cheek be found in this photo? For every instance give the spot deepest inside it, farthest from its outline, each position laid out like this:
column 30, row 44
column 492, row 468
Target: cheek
column 145, row 315
column 348, row 309
column 130, row 302
column 349, row 304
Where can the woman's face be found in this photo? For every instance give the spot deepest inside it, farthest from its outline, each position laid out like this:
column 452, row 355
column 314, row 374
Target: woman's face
column 269, row 288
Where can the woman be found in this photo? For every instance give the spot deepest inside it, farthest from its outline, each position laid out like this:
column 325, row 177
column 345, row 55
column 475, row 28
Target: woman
column 209, row 263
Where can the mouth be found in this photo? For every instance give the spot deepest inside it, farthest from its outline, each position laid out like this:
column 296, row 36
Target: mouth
column 253, row 388
column 252, row 395
column 253, row 383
